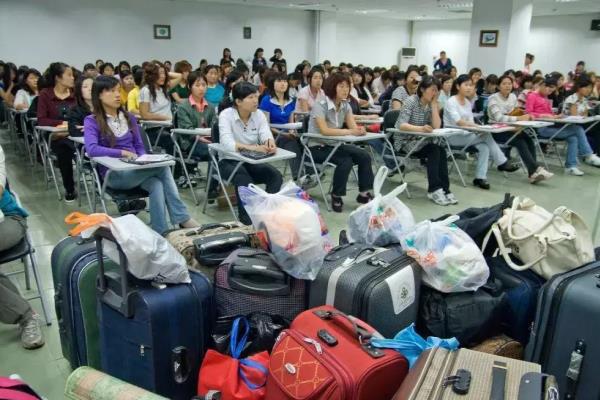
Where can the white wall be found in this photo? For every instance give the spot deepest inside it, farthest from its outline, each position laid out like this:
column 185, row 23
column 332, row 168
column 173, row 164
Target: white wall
column 558, row 42
column 370, row 40
column 79, row 31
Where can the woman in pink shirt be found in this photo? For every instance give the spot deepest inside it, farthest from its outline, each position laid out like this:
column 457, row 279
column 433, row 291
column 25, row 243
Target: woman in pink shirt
column 538, row 105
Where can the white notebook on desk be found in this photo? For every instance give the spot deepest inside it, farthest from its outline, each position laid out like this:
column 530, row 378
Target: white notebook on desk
column 151, row 158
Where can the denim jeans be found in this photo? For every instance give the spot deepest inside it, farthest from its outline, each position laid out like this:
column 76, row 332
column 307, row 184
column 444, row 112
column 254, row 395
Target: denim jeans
column 577, row 143
column 159, row 183
column 378, row 146
column 486, row 147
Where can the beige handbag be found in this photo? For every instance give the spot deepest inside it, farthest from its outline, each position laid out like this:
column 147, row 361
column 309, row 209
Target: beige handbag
column 549, row 243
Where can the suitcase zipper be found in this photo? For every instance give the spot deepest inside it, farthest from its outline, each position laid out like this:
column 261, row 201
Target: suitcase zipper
column 333, row 366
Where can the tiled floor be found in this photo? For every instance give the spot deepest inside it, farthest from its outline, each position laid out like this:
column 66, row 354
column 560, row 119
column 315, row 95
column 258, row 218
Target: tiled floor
column 46, row 370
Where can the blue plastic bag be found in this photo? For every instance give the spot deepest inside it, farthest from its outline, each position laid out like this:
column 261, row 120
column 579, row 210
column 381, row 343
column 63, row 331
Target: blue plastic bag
column 410, row 344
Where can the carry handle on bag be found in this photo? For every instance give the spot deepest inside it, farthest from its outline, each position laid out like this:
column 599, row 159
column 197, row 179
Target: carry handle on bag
column 262, row 277
column 236, row 347
column 110, row 283
column 207, row 227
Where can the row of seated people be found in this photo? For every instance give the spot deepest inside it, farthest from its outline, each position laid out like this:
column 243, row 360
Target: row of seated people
column 242, row 127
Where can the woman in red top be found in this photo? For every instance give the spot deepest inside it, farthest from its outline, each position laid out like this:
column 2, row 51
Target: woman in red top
column 54, row 102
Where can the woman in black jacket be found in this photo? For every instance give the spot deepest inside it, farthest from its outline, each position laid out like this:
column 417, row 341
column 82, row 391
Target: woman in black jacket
column 82, row 107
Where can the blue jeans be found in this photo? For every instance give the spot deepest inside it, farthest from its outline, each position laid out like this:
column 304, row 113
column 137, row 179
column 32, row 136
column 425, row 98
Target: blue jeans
column 577, row 143
column 378, row 146
column 159, row 183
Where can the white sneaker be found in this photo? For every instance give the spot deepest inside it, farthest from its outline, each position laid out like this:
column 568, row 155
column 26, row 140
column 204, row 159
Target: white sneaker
column 438, row 197
column 451, row 199
column 543, row 171
column 574, row 171
column 536, row 177
column 593, row 160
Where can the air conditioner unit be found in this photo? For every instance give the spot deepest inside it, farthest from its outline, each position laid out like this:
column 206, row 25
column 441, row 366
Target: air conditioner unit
column 408, row 56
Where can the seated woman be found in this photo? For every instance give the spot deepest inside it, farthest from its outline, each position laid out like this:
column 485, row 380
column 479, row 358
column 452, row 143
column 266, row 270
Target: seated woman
column 54, row 102
column 534, row 86
column 577, row 105
column 577, row 144
column 313, row 92
column 214, row 91
column 133, row 97
column 14, row 309
column 28, row 90
column 502, row 108
column 279, row 109
column 328, row 117
column 458, row 113
column 408, row 89
column 180, row 92
column 233, row 78
column 127, row 85
column 445, row 91
column 82, row 107
column 421, row 113
column 111, row 131
column 243, row 127
column 195, row 112
column 359, row 90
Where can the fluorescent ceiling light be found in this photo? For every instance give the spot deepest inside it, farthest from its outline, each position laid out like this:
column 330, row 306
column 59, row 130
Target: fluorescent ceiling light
column 463, row 4
column 305, row 4
column 566, row 1
column 374, row 11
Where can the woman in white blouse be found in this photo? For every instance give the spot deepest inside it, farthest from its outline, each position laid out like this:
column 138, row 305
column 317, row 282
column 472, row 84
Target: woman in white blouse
column 28, row 90
column 458, row 113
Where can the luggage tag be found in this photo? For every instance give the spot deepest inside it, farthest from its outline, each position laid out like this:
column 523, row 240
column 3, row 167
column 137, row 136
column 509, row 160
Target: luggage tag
column 461, row 382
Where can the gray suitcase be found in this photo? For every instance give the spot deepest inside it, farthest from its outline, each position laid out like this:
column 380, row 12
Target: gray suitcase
column 377, row 285
column 566, row 331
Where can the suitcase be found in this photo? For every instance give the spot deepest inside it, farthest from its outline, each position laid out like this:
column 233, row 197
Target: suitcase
column 153, row 336
column 492, row 377
column 501, row 345
column 304, row 366
column 379, row 286
column 183, row 241
column 564, row 338
column 74, row 265
column 250, row 280
column 521, row 288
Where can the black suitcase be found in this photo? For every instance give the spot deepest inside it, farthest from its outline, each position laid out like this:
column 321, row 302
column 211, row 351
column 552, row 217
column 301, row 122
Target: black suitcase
column 250, row 280
column 377, row 285
column 566, row 332
column 153, row 336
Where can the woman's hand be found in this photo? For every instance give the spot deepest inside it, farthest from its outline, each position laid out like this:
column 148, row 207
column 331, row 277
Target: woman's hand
column 128, row 155
column 270, row 145
column 358, row 131
column 525, row 117
column 426, row 129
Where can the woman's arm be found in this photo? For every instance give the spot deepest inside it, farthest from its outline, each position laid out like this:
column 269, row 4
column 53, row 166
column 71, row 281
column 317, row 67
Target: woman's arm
column 184, row 118
column 174, row 79
column 177, row 98
column 396, row 104
column 436, row 120
column 137, row 141
column 91, row 138
column 147, row 115
column 74, row 121
column 303, row 105
column 496, row 114
column 42, row 113
column 327, row 131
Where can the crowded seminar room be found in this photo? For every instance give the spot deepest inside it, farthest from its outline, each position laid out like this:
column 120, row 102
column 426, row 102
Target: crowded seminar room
column 299, row 199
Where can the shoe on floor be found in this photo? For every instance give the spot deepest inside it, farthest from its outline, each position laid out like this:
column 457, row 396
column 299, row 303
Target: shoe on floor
column 593, row 160
column 337, row 204
column 481, row 183
column 574, row 171
column 70, row 197
column 451, row 198
column 536, row 177
column 364, row 199
column 508, row 167
column 31, row 332
column 183, row 183
column 543, row 171
column 307, row 182
column 438, row 197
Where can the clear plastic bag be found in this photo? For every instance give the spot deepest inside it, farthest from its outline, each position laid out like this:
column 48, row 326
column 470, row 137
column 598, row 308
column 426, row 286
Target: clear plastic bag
column 452, row 262
column 297, row 234
column 381, row 221
column 149, row 255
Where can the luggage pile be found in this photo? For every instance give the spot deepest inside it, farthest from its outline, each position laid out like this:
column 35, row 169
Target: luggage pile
column 495, row 303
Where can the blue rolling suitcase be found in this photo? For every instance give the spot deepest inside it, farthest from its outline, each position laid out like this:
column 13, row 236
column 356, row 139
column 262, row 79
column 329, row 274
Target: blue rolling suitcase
column 153, row 337
column 74, row 264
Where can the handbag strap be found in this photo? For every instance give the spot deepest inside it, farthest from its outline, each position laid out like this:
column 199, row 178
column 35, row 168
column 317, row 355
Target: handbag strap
column 509, row 229
column 236, row 347
column 255, row 365
column 495, row 230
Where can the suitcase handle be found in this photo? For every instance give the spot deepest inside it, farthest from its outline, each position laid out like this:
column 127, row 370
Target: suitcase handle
column 120, row 302
column 243, row 278
column 347, row 323
column 207, row 227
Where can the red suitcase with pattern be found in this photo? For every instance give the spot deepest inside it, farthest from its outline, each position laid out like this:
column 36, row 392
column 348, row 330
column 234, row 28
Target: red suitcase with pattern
column 327, row 355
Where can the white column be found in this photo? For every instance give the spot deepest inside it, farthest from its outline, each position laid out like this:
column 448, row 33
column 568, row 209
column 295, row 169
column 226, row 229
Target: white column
column 325, row 36
column 512, row 20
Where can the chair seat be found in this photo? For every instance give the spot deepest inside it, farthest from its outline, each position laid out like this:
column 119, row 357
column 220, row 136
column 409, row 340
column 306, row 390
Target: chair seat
column 16, row 252
column 126, row 194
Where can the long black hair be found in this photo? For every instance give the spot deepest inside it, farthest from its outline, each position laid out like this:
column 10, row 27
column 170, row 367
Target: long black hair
column 274, row 77
column 55, row 70
column 101, row 84
column 79, row 93
column 25, row 86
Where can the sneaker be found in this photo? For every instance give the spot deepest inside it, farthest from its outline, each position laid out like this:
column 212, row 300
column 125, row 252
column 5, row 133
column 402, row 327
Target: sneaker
column 543, row 171
column 536, row 177
column 31, row 332
column 593, row 160
column 70, row 197
column 508, row 167
column 307, row 182
column 451, row 199
column 438, row 197
column 574, row 171
column 183, row 183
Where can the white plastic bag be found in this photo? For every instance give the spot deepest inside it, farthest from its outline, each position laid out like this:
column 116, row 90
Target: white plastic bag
column 149, row 255
column 451, row 260
column 381, row 221
column 297, row 234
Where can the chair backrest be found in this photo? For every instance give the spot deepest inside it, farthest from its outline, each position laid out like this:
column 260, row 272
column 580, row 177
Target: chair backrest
column 385, row 106
column 32, row 110
column 145, row 139
column 389, row 119
column 305, row 120
column 214, row 132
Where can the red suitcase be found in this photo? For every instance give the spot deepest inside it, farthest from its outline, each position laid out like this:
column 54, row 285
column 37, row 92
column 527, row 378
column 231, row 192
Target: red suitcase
column 304, row 366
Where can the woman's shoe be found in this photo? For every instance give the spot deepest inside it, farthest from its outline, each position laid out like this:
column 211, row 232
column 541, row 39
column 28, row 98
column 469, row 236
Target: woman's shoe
column 364, row 199
column 508, row 167
column 337, row 204
column 481, row 183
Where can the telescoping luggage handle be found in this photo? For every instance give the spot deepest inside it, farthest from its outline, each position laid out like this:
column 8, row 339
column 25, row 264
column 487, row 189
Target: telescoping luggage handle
column 120, row 302
column 258, row 278
column 362, row 335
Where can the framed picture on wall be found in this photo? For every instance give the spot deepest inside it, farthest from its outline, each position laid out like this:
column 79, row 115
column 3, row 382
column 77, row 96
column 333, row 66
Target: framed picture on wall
column 247, row 32
column 162, row 32
column 488, row 38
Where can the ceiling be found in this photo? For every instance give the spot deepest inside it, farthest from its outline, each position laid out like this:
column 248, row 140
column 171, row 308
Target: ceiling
column 418, row 9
